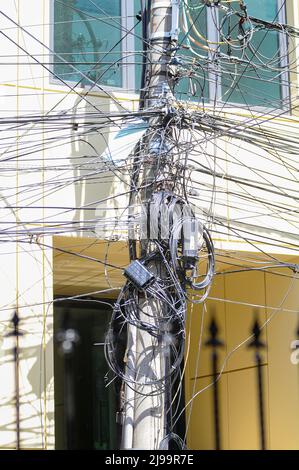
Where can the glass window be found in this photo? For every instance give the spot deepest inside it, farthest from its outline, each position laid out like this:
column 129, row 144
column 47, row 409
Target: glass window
column 192, row 86
column 138, row 46
column 87, row 39
column 256, row 79
column 90, row 38
column 194, row 82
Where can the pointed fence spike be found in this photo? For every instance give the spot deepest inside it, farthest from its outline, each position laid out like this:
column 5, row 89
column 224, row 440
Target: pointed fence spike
column 214, row 343
column 214, row 340
column 257, row 344
column 68, row 337
column 15, row 333
column 256, row 332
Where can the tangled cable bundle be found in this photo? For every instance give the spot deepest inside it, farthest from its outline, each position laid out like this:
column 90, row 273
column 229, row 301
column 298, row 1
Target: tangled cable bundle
column 232, row 93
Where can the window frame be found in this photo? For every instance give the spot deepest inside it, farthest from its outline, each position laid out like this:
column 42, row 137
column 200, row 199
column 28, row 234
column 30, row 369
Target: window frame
column 215, row 89
column 128, row 70
column 127, row 44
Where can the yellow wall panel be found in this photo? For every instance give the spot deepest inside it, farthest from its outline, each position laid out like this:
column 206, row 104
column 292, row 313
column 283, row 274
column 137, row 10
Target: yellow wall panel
column 199, row 357
column 246, row 287
column 239, row 396
column 283, row 374
column 243, row 418
column 201, row 426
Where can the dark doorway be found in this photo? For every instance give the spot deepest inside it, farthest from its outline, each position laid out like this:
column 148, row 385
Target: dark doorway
column 95, row 404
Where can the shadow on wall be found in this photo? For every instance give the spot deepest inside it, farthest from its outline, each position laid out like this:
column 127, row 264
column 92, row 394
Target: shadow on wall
column 36, row 391
column 94, row 183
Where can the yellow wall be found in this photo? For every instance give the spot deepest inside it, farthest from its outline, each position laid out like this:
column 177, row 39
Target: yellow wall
column 237, row 386
column 238, row 394
column 27, row 278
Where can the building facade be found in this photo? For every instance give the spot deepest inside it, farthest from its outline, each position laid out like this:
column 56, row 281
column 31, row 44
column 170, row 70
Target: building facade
column 66, row 66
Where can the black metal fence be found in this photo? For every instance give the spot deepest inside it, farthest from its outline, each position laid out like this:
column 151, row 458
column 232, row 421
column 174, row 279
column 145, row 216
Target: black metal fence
column 67, row 339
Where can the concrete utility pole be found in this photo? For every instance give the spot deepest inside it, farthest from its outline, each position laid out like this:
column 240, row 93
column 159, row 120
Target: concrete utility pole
column 145, row 423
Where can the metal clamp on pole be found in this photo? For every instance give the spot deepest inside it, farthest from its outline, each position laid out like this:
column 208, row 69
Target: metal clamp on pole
column 175, row 30
column 175, row 20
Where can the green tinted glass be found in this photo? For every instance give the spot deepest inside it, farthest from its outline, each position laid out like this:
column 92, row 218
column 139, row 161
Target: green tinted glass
column 193, row 84
column 87, row 39
column 138, row 47
column 251, row 83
